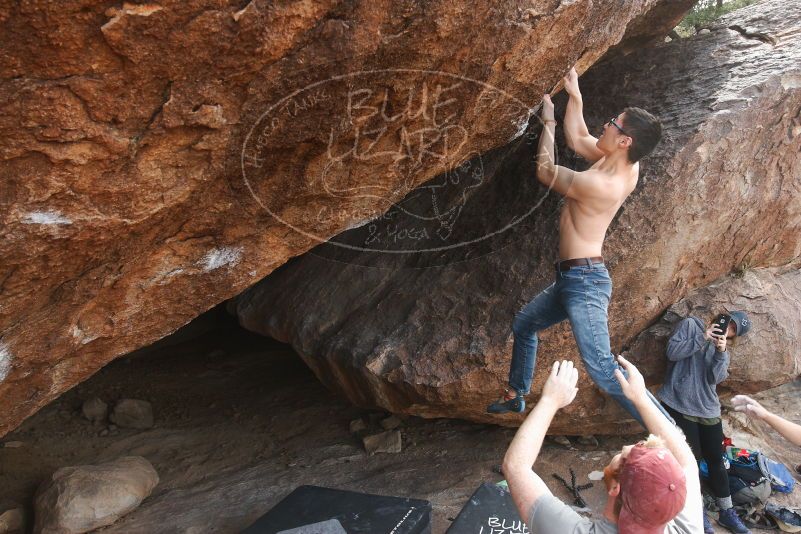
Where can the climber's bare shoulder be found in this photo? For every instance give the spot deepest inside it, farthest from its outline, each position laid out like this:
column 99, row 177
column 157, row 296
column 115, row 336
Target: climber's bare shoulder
column 601, row 186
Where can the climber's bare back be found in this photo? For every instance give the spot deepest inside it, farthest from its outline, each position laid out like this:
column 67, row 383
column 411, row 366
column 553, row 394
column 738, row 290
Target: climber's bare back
column 588, row 212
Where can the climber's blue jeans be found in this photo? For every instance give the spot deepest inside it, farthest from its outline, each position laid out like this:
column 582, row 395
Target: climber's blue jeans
column 580, row 294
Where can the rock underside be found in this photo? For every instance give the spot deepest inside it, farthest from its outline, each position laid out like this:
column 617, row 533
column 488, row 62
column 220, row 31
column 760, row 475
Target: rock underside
column 718, row 207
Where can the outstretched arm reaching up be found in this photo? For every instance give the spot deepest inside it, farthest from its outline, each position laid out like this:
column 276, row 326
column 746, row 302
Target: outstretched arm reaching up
column 556, row 177
column 576, row 132
column 634, row 389
column 524, row 484
column 572, row 184
column 548, row 172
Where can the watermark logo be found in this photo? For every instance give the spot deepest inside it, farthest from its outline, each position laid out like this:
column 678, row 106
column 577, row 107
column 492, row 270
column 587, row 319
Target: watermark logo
column 387, row 159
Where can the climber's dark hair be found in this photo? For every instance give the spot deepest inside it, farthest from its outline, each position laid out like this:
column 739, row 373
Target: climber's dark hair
column 645, row 131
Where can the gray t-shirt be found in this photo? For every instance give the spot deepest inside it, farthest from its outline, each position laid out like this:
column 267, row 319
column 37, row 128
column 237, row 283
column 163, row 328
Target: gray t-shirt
column 549, row 515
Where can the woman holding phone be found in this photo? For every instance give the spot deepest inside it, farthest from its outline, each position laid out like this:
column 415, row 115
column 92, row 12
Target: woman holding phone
column 698, row 360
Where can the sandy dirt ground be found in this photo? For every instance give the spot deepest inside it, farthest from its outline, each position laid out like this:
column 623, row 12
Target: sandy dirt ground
column 241, row 422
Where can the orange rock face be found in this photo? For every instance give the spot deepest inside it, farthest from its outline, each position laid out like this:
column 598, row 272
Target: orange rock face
column 430, row 333
column 158, row 158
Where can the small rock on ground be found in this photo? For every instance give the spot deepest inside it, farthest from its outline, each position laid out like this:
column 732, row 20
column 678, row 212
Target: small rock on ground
column 95, row 410
column 12, row 519
column 133, row 413
column 596, row 475
column 357, row 425
column 391, row 423
column 562, row 440
column 589, row 440
column 78, row 499
column 389, row 441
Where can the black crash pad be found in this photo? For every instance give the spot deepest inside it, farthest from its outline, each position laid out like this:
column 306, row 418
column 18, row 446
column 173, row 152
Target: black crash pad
column 357, row 513
column 490, row 510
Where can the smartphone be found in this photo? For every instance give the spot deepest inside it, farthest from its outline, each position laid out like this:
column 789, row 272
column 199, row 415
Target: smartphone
column 721, row 324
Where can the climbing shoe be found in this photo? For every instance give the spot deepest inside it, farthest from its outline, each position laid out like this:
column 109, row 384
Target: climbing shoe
column 504, row 405
column 728, row 518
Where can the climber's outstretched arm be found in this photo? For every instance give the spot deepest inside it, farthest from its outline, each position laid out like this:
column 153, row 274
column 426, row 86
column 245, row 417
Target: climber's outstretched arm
column 576, row 133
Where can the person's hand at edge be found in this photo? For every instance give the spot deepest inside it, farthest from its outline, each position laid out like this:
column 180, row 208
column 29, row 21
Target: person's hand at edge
column 634, row 386
column 719, row 341
column 711, row 334
column 547, row 108
column 570, row 82
column 560, row 387
column 747, row 405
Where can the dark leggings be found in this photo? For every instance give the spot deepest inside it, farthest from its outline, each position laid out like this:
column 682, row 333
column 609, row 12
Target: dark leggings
column 705, row 441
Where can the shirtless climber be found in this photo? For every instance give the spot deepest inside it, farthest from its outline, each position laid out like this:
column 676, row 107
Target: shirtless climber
column 582, row 288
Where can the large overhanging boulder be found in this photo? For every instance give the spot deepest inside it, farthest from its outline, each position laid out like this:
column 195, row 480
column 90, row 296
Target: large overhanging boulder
column 429, row 333
column 158, row 158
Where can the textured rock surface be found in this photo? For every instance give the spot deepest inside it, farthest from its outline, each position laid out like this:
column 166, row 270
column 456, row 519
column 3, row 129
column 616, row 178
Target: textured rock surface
column 653, row 25
column 722, row 190
column 127, row 130
column 83, row 498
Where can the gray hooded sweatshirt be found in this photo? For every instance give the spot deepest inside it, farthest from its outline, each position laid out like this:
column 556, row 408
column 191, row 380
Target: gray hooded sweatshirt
column 694, row 369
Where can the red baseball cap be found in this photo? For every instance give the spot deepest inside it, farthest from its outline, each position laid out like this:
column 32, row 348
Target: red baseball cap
column 653, row 488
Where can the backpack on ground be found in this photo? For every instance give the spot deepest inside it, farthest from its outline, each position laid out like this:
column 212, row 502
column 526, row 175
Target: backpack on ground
column 748, row 486
column 780, row 477
column 748, row 492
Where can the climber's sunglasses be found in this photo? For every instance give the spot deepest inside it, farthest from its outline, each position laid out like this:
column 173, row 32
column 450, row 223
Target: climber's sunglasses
column 616, row 125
